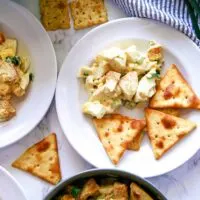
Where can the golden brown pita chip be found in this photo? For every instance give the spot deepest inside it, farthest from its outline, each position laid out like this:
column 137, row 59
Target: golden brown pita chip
column 165, row 130
column 116, row 132
column 136, row 143
column 41, row 160
column 170, row 111
column 174, row 92
column 54, row 14
column 137, row 193
column 88, row 13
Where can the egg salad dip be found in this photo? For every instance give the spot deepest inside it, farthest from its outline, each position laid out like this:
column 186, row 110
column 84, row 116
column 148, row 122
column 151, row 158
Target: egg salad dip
column 121, row 77
column 15, row 76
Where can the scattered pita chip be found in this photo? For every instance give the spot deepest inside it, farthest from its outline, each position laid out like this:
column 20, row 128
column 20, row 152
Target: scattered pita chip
column 41, row 160
column 137, row 193
column 116, row 132
column 174, row 92
column 88, row 13
column 136, row 143
column 165, row 130
column 54, row 14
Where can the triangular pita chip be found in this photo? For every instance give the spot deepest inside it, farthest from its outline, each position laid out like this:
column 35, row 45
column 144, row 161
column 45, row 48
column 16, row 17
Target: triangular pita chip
column 165, row 130
column 174, row 92
column 137, row 140
column 137, row 193
column 41, row 160
column 116, row 132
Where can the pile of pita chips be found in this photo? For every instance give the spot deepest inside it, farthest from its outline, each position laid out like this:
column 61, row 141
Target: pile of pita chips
column 41, row 160
column 165, row 130
column 164, row 126
column 88, row 13
column 174, row 92
column 116, row 133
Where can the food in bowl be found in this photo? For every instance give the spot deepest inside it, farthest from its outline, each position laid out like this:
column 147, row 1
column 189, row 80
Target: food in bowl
column 121, row 77
column 104, row 189
column 15, row 76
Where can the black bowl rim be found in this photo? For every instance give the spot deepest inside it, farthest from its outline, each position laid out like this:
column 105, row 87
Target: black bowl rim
column 113, row 172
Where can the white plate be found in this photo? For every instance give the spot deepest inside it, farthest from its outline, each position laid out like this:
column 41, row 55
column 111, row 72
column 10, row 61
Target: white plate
column 10, row 188
column 70, row 94
column 33, row 40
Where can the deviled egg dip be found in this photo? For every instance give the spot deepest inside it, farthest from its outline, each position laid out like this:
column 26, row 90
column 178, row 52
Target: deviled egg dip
column 121, row 77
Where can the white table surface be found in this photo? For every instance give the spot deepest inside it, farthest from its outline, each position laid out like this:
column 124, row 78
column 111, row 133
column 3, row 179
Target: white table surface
column 180, row 184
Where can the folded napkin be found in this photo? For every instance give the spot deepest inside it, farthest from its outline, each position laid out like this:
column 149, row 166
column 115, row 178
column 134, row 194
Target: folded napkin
column 172, row 12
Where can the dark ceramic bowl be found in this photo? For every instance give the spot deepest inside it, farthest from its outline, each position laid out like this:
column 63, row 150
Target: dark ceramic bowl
column 108, row 173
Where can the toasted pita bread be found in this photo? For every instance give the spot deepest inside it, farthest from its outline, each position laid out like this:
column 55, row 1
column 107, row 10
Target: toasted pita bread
column 165, row 130
column 88, row 13
column 174, row 92
column 41, row 160
column 137, row 193
column 136, row 143
column 170, row 111
column 116, row 132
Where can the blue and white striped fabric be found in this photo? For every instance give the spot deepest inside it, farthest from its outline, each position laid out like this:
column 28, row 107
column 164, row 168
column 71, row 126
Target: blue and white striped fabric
column 171, row 12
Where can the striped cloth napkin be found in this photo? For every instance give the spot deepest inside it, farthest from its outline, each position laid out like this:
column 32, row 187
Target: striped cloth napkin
column 172, row 12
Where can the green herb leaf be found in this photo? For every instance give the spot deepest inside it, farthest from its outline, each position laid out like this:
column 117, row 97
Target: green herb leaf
column 14, row 60
column 31, row 76
column 75, row 191
column 155, row 75
column 85, row 74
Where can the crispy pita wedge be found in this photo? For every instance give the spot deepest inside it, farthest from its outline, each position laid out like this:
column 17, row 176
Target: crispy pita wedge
column 165, row 130
column 41, row 160
column 170, row 111
column 137, row 193
column 136, row 143
column 174, row 92
column 116, row 132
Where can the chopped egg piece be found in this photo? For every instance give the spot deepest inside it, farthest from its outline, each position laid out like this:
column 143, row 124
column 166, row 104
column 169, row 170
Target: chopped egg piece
column 84, row 72
column 129, row 84
column 96, row 109
column 146, row 87
column 112, row 79
column 155, row 52
column 134, row 56
column 110, row 53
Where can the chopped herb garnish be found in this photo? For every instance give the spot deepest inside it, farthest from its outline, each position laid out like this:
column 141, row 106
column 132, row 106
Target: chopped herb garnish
column 155, row 75
column 75, row 191
column 85, row 74
column 31, row 76
column 14, row 60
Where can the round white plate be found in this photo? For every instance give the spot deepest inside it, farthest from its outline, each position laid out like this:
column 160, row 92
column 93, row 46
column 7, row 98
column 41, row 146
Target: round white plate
column 10, row 188
column 33, row 41
column 70, row 94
